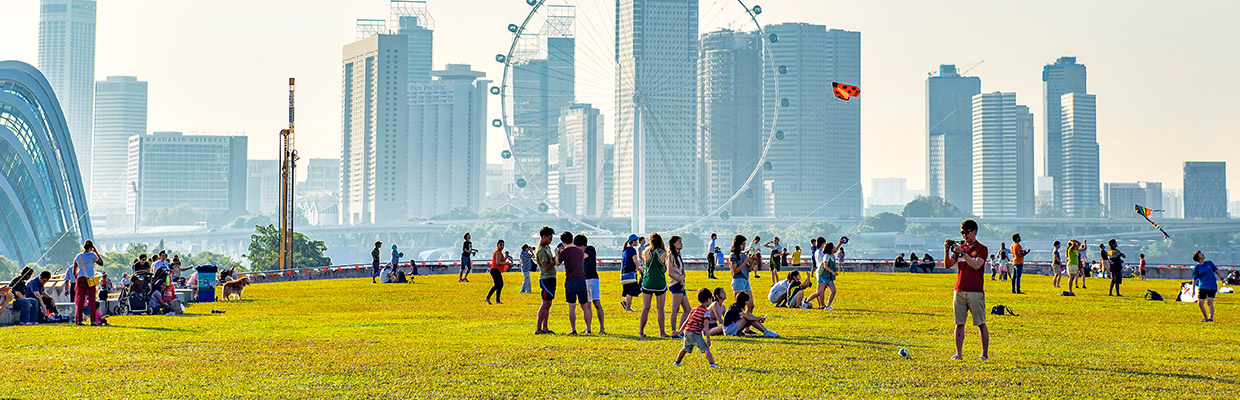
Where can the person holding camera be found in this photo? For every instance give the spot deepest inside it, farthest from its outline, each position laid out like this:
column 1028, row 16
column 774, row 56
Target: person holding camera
column 742, row 263
column 969, row 258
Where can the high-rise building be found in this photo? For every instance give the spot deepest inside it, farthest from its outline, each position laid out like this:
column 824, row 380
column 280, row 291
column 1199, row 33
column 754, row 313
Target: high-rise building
column 446, row 142
column 1063, row 77
column 262, row 188
column 656, row 108
column 1078, row 183
column 1173, row 203
column 410, row 18
column 1121, row 197
column 67, row 58
column 581, row 158
column 949, row 136
column 322, row 174
column 608, row 182
column 543, row 79
column 1000, row 188
column 1045, row 187
column 1205, row 190
column 374, row 132
column 120, row 112
column 168, row 169
column 815, row 170
column 729, row 120
column 888, row 191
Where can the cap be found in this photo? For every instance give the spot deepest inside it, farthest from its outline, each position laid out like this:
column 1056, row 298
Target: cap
column 633, row 237
column 378, row 243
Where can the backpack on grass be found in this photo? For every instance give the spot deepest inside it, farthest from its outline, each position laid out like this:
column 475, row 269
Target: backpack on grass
column 1002, row 309
column 1152, row 295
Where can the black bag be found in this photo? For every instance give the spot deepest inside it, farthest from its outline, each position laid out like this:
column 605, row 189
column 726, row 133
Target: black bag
column 1066, row 293
column 1152, row 295
column 1001, row 309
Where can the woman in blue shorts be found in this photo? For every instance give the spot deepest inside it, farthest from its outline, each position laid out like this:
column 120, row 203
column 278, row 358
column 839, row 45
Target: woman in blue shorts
column 676, row 280
column 741, row 265
column 827, row 272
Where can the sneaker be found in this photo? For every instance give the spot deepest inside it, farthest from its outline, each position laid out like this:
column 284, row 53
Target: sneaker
column 676, row 364
column 983, row 358
column 957, row 358
column 770, row 333
column 714, row 365
column 829, row 308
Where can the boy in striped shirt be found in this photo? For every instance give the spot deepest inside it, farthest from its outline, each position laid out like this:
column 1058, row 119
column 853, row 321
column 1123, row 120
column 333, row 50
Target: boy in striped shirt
column 693, row 329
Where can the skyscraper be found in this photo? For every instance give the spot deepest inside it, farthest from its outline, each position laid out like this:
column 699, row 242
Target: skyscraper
column 1205, row 190
column 1078, row 181
column 543, row 84
column 949, row 136
column 1063, row 77
column 374, row 131
column 322, row 174
column 168, row 169
column 656, row 77
column 729, row 120
column 888, row 191
column 582, row 158
column 1000, row 187
column 816, row 168
column 410, row 18
column 120, row 112
column 1121, row 197
column 262, row 188
column 67, row 58
column 446, row 142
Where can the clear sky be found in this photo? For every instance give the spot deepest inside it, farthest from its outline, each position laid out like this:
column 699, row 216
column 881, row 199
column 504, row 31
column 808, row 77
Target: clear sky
column 1165, row 73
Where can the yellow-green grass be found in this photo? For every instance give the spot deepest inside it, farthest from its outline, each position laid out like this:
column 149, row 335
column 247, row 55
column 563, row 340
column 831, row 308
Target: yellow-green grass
column 436, row 338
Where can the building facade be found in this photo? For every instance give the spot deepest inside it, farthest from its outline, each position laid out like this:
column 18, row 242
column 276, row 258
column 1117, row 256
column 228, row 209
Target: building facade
column 262, row 188
column 41, row 191
column 656, row 76
column 1062, row 77
column 1078, row 182
column 815, row 170
column 446, row 142
column 374, row 131
column 120, row 112
column 582, row 159
column 729, row 121
column 1001, row 189
column 67, row 58
column 1121, row 197
column 1205, row 190
column 322, row 174
column 543, row 83
column 949, row 136
column 168, row 169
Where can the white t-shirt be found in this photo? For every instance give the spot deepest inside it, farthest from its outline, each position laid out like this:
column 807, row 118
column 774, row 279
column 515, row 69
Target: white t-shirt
column 778, row 289
column 385, row 275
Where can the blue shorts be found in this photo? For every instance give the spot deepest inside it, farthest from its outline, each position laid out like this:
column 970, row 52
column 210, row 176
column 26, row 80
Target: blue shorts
column 374, row 269
column 825, row 278
column 575, row 291
column 740, row 285
column 677, row 289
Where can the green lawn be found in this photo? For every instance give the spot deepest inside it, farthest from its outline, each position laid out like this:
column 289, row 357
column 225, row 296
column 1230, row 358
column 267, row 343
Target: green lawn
column 437, row 339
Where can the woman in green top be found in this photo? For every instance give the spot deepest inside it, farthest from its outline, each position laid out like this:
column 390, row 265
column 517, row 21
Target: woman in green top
column 1074, row 263
column 654, row 282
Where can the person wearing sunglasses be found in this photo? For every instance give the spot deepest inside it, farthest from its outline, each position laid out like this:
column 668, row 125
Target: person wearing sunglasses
column 969, row 258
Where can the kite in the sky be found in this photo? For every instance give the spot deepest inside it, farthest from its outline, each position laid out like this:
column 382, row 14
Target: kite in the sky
column 1145, row 212
column 845, row 92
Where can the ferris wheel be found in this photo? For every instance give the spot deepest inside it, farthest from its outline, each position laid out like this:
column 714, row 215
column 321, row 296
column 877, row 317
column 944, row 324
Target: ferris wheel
column 626, row 69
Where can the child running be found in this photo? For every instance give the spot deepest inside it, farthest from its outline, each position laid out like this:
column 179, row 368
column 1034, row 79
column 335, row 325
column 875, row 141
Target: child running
column 694, row 330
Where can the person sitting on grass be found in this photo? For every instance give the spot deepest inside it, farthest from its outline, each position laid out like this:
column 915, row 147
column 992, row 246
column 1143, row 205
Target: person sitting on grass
column 779, row 291
column 385, row 274
column 1205, row 285
column 798, row 293
column 715, row 312
column 969, row 258
column 737, row 321
column 695, row 332
column 1233, row 279
column 546, row 279
column 927, row 263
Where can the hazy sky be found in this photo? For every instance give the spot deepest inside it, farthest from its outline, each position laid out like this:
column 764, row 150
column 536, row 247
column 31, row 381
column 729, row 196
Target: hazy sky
column 1165, row 73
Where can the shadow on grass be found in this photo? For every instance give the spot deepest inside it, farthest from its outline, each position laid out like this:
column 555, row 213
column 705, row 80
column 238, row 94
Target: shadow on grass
column 872, row 342
column 1145, row 373
column 148, row 328
column 713, row 338
column 846, row 310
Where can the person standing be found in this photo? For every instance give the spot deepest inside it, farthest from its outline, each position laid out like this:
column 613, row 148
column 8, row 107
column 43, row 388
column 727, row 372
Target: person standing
column 1116, row 262
column 796, row 257
column 576, row 293
column 499, row 264
column 467, row 264
column 1018, row 263
column 592, row 282
column 969, row 294
column 396, row 255
column 828, row 270
column 1004, row 261
column 776, row 257
column 654, row 283
column 527, row 265
column 1104, row 261
column 546, row 279
column 1141, row 267
column 1056, row 264
column 84, row 299
column 755, row 248
column 1083, row 269
column 742, row 262
column 1074, row 264
column 839, row 253
column 710, row 257
column 676, row 276
column 1205, row 285
column 374, row 263
column 630, row 263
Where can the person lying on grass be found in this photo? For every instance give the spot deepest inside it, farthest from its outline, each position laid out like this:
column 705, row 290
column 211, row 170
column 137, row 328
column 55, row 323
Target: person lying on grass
column 695, row 332
column 736, row 320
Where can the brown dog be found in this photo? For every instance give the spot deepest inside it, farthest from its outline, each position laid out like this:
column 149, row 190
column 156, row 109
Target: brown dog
column 235, row 286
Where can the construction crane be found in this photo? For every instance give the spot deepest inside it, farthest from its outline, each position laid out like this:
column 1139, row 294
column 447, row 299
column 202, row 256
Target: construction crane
column 962, row 71
column 288, row 176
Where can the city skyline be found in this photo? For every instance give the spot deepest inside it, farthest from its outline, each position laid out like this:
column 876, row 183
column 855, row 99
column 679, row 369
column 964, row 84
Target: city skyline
column 1129, row 121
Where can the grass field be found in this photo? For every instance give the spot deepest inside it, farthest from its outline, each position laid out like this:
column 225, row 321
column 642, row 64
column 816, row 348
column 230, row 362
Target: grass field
column 437, row 339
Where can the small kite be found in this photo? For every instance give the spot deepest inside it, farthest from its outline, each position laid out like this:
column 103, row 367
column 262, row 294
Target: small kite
column 845, row 92
column 1145, row 212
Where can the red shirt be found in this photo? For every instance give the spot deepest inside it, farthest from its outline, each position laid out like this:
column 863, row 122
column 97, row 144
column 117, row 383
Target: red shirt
column 696, row 319
column 498, row 261
column 967, row 278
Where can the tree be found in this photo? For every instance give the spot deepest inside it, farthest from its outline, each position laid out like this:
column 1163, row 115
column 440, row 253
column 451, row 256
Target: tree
column 246, row 221
column 183, row 214
column 460, row 212
column 931, row 206
column 1048, row 210
column 264, row 252
column 916, row 229
column 883, row 222
column 8, row 268
column 206, row 257
column 59, row 250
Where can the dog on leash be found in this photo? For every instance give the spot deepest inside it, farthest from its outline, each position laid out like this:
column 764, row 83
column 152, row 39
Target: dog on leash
column 235, row 286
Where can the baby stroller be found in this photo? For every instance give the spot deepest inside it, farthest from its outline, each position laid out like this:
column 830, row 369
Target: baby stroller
column 134, row 299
